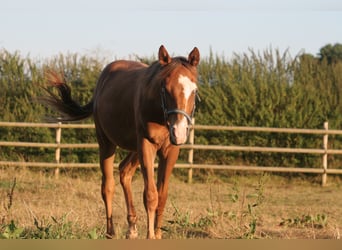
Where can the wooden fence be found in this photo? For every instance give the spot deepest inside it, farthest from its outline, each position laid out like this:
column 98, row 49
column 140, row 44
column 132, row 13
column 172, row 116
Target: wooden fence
column 324, row 151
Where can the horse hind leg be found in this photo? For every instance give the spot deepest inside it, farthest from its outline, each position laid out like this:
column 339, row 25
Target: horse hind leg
column 107, row 155
column 127, row 169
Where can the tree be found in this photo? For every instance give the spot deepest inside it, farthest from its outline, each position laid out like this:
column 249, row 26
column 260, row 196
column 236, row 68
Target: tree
column 331, row 53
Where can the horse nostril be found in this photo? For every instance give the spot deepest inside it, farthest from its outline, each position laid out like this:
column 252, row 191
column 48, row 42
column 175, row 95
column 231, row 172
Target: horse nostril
column 173, row 131
column 187, row 131
column 173, row 135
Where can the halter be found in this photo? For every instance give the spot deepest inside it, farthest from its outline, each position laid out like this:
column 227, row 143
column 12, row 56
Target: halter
column 176, row 111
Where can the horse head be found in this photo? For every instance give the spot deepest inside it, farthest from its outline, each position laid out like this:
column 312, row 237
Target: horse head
column 179, row 93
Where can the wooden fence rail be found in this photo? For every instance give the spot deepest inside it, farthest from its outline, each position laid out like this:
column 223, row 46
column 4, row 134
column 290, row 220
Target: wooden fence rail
column 324, row 151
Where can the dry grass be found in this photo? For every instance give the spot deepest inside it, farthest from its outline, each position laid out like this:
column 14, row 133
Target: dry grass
column 238, row 206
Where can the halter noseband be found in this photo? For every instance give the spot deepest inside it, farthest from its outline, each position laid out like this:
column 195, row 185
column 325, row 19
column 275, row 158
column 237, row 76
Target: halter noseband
column 175, row 111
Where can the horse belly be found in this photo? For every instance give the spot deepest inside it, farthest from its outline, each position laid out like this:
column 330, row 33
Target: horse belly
column 114, row 117
column 117, row 123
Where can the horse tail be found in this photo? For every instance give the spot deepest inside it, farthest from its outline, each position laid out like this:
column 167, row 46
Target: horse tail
column 69, row 109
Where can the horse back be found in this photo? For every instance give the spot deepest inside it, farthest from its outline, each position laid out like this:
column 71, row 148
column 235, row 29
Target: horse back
column 114, row 99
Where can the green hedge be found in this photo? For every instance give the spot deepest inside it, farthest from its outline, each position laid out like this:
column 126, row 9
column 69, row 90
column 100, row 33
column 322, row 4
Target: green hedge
column 267, row 89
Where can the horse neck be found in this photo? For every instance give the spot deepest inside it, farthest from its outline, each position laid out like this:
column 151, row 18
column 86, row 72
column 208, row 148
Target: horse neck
column 151, row 84
column 149, row 96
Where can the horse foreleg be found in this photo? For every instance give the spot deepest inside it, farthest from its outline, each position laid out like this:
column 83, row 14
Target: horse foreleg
column 107, row 191
column 147, row 154
column 127, row 169
column 167, row 160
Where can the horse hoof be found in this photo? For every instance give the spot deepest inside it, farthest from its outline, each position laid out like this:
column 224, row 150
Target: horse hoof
column 131, row 235
column 109, row 236
column 158, row 235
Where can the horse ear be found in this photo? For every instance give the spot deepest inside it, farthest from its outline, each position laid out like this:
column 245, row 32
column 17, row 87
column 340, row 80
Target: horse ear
column 163, row 55
column 194, row 57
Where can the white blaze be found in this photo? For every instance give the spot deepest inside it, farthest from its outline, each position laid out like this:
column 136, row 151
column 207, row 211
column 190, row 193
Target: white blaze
column 188, row 86
column 180, row 128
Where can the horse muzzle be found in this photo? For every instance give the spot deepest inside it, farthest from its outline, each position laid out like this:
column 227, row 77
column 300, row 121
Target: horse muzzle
column 179, row 132
column 179, row 129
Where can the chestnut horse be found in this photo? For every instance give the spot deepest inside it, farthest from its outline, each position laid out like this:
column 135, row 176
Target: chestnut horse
column 146, row 110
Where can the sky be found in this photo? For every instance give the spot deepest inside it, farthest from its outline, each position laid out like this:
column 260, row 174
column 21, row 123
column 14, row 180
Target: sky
column 122, row 29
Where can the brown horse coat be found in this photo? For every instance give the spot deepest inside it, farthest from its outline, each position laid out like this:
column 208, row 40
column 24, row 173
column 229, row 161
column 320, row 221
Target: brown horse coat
column 146, row 110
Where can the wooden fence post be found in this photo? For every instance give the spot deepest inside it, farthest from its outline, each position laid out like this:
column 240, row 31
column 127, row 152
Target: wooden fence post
column 58, row 148
column 325, row 155
column 191, row 151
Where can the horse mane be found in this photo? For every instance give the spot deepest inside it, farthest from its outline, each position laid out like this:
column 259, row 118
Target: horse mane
column 157, row 72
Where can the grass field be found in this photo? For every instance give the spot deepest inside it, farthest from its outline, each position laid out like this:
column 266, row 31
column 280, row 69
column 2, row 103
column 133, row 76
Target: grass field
column 34, row 204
